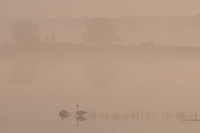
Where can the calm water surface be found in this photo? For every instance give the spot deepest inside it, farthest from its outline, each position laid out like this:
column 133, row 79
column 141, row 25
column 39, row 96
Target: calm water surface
column 159, row 97
column 42, row 115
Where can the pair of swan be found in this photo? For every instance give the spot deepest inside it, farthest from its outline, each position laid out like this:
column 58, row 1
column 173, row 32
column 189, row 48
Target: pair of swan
column 78, row 112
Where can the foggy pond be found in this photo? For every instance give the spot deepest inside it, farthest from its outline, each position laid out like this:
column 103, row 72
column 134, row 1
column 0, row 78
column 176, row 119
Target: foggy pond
column 107, row 66
column 121, row 93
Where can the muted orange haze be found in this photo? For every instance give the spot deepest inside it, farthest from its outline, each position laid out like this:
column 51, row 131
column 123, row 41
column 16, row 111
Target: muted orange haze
column 93, row 8
column 145, row 71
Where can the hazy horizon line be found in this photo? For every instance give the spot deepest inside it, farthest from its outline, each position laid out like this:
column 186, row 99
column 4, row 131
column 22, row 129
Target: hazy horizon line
column 113, row 16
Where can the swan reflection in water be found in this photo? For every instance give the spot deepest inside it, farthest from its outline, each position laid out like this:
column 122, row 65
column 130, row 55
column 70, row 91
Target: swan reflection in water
column 80, row 118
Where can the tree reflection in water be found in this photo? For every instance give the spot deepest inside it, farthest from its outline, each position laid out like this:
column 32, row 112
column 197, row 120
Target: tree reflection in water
column 101, row 71
column 25, row 70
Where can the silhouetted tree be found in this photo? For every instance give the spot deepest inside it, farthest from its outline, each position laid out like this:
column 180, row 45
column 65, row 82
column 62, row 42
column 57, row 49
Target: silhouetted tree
column 53, row 38
column 99, row 31
column 25, row 31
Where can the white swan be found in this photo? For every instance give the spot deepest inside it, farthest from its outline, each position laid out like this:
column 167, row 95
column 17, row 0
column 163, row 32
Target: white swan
column 80, row 112
column 65, row 112
column 64, row 116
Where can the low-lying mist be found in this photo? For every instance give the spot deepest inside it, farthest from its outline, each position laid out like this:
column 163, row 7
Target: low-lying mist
column 103, row 73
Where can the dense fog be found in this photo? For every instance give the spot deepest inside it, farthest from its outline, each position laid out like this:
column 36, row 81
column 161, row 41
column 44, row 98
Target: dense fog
column 123, row 62
column 177, row 30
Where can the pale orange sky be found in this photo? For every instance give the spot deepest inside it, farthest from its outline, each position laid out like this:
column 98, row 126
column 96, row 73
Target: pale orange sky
column 93, row 8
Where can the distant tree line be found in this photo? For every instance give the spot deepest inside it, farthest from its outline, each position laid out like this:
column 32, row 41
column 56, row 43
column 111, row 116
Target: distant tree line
column 25, row 31
column 108, row 31
column 99, row 31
